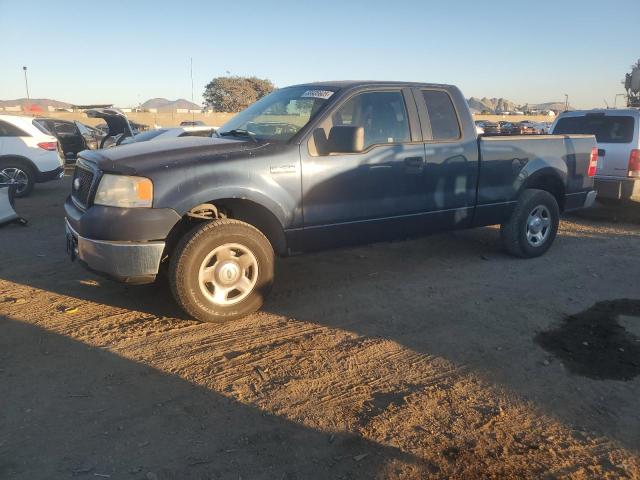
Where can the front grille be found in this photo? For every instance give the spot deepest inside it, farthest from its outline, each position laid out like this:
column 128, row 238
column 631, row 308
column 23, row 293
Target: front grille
column 82, row 183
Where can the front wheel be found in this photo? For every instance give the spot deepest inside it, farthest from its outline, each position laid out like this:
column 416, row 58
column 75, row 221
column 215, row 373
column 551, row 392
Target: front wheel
column 533, row 225
column 221, row 270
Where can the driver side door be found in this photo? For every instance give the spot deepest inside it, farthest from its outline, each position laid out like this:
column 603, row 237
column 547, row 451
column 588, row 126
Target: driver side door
column 370, row 194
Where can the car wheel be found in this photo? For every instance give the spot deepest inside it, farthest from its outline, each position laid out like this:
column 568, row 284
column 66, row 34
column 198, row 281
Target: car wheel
column 533, row 225
column 221, row 270
column 19, row 174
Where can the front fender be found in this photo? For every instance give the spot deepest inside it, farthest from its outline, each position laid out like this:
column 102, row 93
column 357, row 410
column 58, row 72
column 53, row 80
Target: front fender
column 210, row 195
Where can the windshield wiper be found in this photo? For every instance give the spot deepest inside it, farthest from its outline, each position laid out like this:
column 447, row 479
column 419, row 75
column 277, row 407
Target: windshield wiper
column 238, row 132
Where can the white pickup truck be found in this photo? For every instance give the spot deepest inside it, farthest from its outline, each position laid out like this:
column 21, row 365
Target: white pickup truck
column 617, row 133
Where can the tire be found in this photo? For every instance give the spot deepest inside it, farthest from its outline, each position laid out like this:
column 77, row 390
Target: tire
column 207, row 278
column 533, row 225
column 17, row 172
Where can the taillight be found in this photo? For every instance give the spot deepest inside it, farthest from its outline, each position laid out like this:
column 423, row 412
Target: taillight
column 634, row 163
column 593, row 162
column 48, row 145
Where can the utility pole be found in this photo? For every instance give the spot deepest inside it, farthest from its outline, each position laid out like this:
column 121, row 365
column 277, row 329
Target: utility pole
column 26, row 83
column 566, row 102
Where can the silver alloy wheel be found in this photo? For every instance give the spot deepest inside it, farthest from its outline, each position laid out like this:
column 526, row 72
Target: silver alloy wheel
column 228, row 274
column 15, row 175
column 538, row 226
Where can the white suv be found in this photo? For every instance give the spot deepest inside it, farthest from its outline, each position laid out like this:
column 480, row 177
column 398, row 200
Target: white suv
column 28, row 154
column 617, row 133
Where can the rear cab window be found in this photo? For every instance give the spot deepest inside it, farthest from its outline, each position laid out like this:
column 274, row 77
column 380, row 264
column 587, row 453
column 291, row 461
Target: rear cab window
column 445, row 125
column 606, row 128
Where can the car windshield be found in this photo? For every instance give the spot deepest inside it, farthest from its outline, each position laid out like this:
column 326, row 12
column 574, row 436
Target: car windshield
column 143, row 137
column 279, row 115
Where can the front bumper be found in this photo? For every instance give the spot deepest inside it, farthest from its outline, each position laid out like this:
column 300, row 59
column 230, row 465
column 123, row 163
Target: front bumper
column 618, row 188
column 129, row 262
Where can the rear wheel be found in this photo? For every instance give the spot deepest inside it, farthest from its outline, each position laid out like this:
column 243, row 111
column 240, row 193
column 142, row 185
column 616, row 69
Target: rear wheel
column 221, row 270
column 533, row 225
column 18, row 174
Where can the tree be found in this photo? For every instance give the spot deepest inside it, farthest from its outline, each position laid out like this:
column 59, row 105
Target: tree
column 232, row 94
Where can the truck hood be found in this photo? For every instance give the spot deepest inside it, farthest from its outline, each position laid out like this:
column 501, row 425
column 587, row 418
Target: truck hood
column 143, row 158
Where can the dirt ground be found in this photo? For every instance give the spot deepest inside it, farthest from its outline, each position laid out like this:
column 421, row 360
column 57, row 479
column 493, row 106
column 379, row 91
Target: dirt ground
column 438, row 357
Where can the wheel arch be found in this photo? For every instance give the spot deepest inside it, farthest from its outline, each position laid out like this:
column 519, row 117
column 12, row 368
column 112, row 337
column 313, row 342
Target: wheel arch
column 20, row 159
column 548, row 180
column 245, row 210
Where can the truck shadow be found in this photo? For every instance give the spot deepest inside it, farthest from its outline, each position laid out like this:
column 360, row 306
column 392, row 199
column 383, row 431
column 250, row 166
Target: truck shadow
column 73, row 410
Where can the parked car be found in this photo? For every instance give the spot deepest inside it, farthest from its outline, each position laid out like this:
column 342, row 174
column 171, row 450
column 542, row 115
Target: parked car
column 359, row 162
column 618, row 135
column 118, row 126
column 28, row 154
column 193, row 123
column 135, row 127
column 521, row 128
column 505, row 127
column 72, row 135
column 540, row 128
column 167, row 133
column 492, row 128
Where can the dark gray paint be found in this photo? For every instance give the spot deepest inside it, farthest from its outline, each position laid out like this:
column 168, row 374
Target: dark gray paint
column 385, row 192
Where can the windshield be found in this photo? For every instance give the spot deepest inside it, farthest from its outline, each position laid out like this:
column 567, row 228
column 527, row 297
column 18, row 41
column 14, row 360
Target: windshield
column 279, row 115
column 143, row 137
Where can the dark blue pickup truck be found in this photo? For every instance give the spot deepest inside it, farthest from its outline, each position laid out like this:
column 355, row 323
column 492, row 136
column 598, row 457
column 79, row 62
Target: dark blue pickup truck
column 311, row 167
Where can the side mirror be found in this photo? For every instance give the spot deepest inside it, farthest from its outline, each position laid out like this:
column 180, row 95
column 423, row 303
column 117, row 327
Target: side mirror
column 345, row 139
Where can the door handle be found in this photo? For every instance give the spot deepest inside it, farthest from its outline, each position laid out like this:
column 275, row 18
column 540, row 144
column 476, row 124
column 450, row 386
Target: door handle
column 414, row 161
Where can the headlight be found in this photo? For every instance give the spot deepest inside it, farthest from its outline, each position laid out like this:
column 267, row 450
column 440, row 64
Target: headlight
column 124, row 191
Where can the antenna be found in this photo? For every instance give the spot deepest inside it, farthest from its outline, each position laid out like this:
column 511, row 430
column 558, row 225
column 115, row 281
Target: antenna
column 193, row 115
column 191, row 73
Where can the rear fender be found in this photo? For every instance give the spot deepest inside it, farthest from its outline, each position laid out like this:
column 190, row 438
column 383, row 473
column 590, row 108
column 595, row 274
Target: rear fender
column 544, row 174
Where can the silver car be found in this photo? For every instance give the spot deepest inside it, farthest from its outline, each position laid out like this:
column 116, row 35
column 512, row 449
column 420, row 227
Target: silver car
column 617, row 134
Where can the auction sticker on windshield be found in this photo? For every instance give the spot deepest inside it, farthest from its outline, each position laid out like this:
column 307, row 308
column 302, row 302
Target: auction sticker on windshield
column 317, row 94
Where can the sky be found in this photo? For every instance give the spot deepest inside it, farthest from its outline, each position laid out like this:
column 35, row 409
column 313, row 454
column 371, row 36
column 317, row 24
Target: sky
column 91, row 52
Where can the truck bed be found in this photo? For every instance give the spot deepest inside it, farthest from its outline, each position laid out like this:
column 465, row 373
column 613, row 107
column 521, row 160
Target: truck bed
column 506, row 162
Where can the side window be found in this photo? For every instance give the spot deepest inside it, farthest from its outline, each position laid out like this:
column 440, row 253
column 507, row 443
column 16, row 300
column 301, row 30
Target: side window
column 40, row 126
column 83, row 130
column 442, row 114
column 382, row 116
column 8, row 130
column 64, row 128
